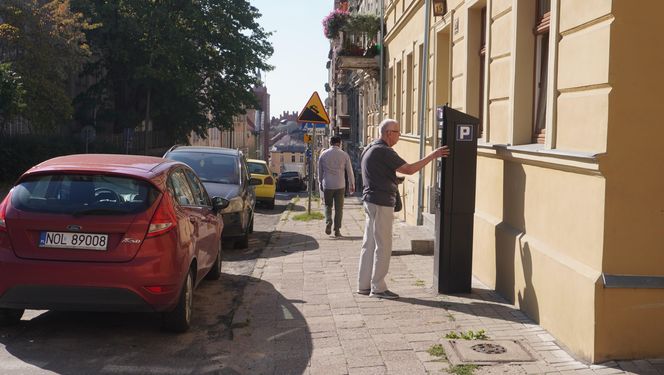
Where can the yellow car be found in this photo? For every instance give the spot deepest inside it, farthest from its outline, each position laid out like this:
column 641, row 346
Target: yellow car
column 266, row 191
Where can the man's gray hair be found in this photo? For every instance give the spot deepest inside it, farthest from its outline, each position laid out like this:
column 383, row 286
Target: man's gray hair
column 385, row 123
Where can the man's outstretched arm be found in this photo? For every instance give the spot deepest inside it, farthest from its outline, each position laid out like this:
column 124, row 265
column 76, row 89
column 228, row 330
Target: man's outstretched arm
column 441, row 152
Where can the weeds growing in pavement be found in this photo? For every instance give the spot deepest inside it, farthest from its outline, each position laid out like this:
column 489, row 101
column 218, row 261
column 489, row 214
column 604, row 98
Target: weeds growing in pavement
column 314, row 215
column 436, row 350
column 470, row 335
column 463, row 369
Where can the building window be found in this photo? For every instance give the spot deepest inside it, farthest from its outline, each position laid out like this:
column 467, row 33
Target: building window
column 482, row 53
column 408, row 118
column 293, row 158
column 542, row 23
column 281, row 158
column 420, row 71
column 390, row 95
column 399, row 94
column 301, row 158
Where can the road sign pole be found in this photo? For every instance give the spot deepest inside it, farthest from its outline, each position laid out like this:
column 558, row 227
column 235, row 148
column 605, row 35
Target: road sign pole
column 312, row 170
column 313, row 113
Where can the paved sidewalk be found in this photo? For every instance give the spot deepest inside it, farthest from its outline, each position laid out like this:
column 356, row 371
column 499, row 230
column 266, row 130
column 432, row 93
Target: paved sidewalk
column 300, row 315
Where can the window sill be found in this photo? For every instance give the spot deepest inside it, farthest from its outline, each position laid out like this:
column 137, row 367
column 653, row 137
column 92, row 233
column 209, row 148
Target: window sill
column 538, row 154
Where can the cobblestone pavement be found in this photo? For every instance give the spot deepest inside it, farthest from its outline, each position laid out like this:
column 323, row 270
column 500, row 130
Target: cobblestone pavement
column 304, row 317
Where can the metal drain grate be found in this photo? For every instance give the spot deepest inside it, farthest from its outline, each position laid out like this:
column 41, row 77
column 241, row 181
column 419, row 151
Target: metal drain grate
column 486, row 348
column 487, row 351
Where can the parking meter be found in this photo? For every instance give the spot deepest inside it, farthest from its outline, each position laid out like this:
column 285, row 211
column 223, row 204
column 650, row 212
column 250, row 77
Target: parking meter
column 455, row 201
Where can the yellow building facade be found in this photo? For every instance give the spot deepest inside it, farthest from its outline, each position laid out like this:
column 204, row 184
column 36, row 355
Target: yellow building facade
column 569, row 221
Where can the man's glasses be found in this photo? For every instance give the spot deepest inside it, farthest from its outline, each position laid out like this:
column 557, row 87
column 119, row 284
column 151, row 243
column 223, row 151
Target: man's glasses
column 394, row 131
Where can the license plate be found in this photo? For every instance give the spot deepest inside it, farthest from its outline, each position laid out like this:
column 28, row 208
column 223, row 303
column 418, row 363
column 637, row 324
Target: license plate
column 68, row 240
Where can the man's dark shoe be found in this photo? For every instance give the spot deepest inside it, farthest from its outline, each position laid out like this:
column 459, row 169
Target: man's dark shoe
column 364, row 292
column 337, row 233
column 385, row 295
column 328, row 228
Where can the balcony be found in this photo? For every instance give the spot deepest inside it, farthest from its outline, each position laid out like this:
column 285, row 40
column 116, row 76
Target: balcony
column 354, row 40
column 357, row 53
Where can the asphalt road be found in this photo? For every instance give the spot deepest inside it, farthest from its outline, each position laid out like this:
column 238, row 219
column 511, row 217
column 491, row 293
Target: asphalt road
column 54, row 342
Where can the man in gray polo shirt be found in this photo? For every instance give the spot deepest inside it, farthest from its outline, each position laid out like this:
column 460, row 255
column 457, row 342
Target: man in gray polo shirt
column 333, row 167
column 379, row 166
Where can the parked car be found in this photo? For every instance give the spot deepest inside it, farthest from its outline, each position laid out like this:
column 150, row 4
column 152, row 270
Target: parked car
column 291, row 181
column 108, row 233
column 266, row 190
column 224, row 173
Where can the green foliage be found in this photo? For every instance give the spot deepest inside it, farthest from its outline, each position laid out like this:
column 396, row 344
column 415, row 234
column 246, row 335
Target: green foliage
column 341, row 20
column 463, row 369
column 470, row 335
column 315, row 215
column 12, row 94
column 186, row 66
column 363, row 23
column 436, row 350
column 25, row 151
column 46, row 44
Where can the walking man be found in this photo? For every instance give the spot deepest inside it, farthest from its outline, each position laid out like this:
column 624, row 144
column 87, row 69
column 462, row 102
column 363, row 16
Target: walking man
column 333, row 166
column 379, row 166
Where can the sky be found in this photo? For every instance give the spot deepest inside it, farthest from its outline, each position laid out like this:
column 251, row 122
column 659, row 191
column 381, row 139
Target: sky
column 300, row 51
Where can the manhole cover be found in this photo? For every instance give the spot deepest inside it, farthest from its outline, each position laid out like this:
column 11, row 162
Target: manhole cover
column 489, row 348
column 486, row 351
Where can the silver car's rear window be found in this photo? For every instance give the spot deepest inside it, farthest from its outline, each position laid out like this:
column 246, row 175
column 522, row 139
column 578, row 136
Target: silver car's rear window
column 210, row 167
column 81, row 194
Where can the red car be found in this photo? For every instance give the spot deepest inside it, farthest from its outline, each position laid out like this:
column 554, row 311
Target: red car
column 108, row 233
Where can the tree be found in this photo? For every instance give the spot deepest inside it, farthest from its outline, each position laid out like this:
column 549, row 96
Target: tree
column 44, row 41
column 12, row 94
column 184, row 65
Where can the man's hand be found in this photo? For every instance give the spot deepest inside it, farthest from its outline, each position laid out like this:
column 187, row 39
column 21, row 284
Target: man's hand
column 442, row 152
column 351, row 189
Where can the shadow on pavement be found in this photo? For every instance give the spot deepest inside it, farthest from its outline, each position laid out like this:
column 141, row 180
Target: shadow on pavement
column 131, row 343
column 487, row 305
column 349, row 238
column 284, row 243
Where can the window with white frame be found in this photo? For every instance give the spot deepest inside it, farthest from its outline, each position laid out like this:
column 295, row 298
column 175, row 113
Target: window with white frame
column 541, row 31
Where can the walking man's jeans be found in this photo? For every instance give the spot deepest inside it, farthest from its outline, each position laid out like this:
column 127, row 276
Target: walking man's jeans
column 335, row 196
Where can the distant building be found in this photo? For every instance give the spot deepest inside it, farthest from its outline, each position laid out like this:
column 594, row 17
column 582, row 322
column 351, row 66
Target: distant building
column 289, row 152
column 247, row 133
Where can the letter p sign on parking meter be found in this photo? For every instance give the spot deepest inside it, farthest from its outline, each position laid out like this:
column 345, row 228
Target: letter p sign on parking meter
column 464, row 133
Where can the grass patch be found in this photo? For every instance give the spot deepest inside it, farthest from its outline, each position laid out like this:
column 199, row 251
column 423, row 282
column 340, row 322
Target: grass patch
column 436, row 351
column 419, row 282
column 315, row 215
column 470, row 335
column 463, row 369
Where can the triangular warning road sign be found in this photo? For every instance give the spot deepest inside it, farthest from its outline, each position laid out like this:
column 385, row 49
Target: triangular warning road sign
column 314, row 111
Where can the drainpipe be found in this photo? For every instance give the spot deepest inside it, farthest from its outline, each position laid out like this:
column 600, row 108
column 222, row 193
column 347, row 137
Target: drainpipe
column 381, row 84
column 423, row 107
